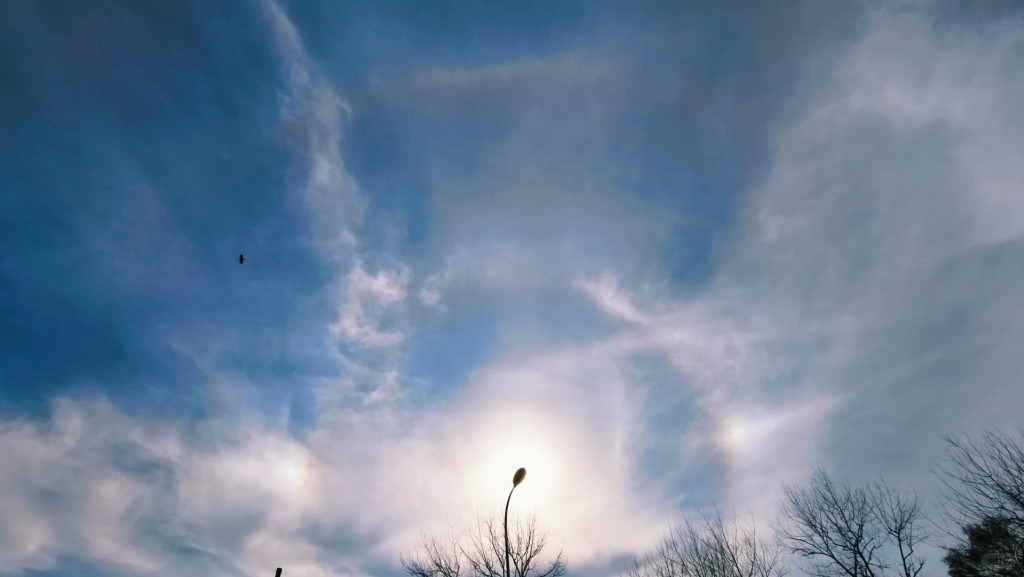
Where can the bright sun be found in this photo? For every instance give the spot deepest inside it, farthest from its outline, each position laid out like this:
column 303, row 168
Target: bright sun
column 512, row 440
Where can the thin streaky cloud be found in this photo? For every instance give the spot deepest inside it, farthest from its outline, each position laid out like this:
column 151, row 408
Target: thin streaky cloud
column 663, row 257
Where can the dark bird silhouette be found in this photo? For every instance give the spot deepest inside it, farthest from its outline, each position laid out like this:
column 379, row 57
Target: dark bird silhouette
column 241, row 259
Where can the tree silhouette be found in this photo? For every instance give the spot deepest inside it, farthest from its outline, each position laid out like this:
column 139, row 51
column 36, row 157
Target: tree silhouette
column 482, row 553
column 856, row 531
column 710, row 548
column 991, row 550
column 984, row 479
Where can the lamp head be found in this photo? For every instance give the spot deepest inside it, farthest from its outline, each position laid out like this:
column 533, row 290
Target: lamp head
column 519, row 476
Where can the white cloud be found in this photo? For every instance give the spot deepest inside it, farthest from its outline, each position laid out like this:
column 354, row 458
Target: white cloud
column 370, row 304
column 568, row 418
column 896, row 174
column 888, row 208
column 366, row 297
column 567, row 69
column 97, row 484
column 900, row 169
column 55, row 498
column 313, row 113
column 435, row 286
column 911, row 72
column 611, row 298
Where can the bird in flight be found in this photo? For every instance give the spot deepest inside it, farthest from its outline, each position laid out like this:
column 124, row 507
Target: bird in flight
column 241, row 259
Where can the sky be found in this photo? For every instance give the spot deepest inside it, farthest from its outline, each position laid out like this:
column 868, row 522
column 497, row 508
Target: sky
column 664, row 255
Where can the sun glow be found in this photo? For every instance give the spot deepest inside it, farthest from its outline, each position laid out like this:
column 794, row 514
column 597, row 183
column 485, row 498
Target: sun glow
column 743, row 433
column 509, row 441
column 735, row 434
column 293, row 474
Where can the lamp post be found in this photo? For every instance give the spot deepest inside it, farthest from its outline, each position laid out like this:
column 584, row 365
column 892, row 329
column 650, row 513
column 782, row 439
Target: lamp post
column 516, row 479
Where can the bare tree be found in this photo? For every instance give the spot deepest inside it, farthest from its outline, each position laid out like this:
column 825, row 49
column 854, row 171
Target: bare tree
column 482, row 553
column 849, row 530
column 984, row 479
column 710, row 548
column 437, row 560
column 984, row 497
column 900, row 517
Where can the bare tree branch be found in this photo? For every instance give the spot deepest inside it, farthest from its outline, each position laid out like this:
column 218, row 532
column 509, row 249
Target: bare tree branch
column 709, row 548
column 438, row 560
column 984, row 479
column 983, row 482
column 898, row 513
column 482, row 553
column 844, row 530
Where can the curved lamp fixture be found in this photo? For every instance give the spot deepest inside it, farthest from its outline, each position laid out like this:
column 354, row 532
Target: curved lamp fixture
column 516, row 479
column 519, row 476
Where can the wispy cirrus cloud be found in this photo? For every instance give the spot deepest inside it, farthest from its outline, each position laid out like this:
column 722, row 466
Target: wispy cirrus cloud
column 861, row 302
column 611, row 299
column 314, row 113
column 863, row 238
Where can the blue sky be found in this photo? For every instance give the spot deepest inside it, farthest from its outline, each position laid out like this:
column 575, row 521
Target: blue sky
column 663, row 254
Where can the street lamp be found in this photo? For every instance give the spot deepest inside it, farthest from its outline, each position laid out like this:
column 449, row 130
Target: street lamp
column 516, row 479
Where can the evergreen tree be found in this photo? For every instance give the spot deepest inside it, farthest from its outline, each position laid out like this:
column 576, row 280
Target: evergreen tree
column 992, row 549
